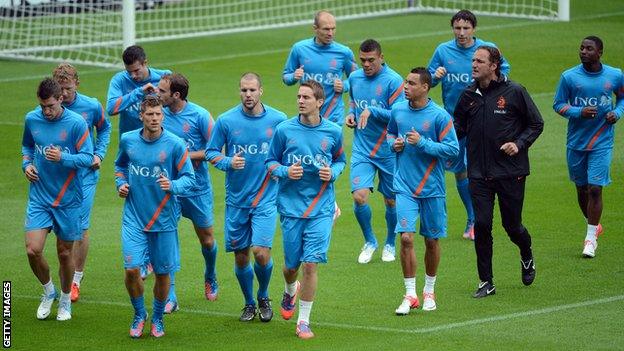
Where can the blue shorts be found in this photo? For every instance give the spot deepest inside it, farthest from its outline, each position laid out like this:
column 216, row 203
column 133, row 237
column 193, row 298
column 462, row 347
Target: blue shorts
column 305, row 239
column 65, row 221
column 363, row 174
column 589, row 167
column 160, row 247
column 432, row 213
column 245, row 227
column 458, row 164
column 88, row 194
column 198, row 209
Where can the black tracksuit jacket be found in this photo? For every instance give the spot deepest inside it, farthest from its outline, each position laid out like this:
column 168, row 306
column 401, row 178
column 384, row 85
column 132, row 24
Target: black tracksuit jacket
column 491, row 117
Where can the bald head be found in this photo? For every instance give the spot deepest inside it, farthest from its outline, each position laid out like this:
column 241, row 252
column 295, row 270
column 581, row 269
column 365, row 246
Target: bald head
column 324, row 27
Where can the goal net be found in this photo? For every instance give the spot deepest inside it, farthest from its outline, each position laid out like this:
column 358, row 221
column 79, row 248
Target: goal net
column 94, row 32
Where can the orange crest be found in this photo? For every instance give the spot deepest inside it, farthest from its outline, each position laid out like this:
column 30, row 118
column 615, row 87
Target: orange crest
column 501, row 103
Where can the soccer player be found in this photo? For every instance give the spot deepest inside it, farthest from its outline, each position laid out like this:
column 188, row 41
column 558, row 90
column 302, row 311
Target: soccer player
column 128, row 88
column 375, row 88
column 152, row 165
column 193, row 124
column 250, row 212
column 500, row 122
column 306, row 155
column 585, row 97
column 125, row 93
column 422, row 136
column 55, row 146
column 91, row 110
column 451, row 65
column 323, row 60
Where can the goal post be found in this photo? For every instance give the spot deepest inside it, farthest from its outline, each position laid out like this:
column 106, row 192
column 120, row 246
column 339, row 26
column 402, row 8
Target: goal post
column 95, row 32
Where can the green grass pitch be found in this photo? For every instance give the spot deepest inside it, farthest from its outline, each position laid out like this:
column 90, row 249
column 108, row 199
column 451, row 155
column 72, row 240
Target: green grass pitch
column 574, row 303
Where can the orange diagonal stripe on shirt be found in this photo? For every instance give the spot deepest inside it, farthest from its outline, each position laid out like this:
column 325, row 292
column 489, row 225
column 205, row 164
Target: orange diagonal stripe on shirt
column 117, row 104
column 381, row 139
column 265, row 183
column 216, row 159
column 157, row 212
column 595, row 137
column 425, row 177
column 57, row 201
column 315, row 201
column 331, row 106
column 446, row 130
column 82, row 140
column 395, row 95
column 564, row 109
column 102, row 118
column 181, row 163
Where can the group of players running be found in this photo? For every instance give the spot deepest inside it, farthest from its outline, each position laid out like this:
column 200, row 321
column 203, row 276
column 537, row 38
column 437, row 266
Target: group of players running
column 287, row 166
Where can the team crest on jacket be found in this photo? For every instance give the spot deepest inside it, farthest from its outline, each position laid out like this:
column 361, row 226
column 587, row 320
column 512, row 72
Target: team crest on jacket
column 356, row 180
column 501, row 103
column 608, row 86
column 63, row 135
column 333, row 63
column 378, row 90
column 186, row 127
column 426, row 125
column 85, row 115
column 269, row 132
column 324, row 143
column 162, row 156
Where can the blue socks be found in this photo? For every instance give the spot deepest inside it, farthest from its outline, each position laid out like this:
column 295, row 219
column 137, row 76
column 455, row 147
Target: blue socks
column 263, row 273
column 464, row 194
column 363, row 216
column 159, row 309
column 139, row 305
column 210, row 257
column 172, row 295
column 245, row 279
column 391, row 220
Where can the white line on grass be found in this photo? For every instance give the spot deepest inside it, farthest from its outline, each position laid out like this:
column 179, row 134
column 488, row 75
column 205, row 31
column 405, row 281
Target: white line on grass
column 352, row 42
column 442, row 327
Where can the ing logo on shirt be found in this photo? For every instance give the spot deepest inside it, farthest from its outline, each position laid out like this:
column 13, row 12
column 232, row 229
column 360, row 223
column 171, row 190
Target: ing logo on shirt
column 42, row 149
column 147, row 172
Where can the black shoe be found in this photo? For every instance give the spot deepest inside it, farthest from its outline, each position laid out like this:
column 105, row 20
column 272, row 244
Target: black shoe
column 249, row 313
column 528, row 271
column 265, row 311
column 485, row 289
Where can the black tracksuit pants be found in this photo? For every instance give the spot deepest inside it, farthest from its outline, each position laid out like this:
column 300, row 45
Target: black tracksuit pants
column 510, row 193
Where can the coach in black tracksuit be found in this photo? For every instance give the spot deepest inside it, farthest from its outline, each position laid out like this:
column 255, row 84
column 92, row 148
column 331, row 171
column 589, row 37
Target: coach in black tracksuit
column 500, row 122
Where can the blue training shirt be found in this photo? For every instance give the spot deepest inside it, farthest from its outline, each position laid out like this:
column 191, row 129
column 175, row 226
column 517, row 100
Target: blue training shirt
column 579, row 88
column 140, row 163
column 58, row 184
column 93, row 113
column 314, row 146
column 249, row 135
column 458, row 63
column 125, row 96
column 324, row 64
column 194, row 125
column 377, row 93
column 419, row 170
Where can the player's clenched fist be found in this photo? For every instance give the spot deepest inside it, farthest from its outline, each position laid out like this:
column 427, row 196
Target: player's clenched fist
column 295, row 171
